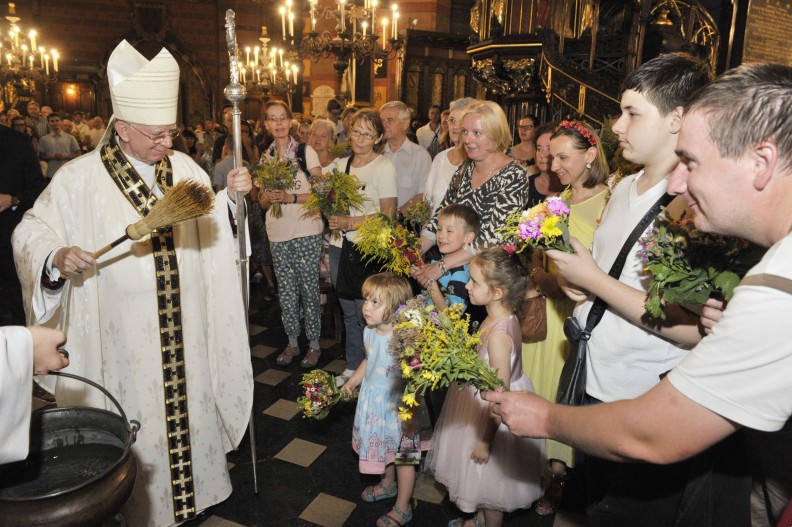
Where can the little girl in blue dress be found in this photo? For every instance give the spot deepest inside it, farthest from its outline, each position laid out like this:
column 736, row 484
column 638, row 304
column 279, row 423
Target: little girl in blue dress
column 378, row 432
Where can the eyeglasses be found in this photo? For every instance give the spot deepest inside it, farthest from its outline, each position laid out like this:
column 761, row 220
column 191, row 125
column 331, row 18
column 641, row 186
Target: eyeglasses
column 526, row 127
column 276, row 118
column 173, row 133
column 365, row 135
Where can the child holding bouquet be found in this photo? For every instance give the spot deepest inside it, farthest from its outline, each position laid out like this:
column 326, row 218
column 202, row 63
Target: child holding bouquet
column 378, row 433
column 486, row 469
column 457, row 227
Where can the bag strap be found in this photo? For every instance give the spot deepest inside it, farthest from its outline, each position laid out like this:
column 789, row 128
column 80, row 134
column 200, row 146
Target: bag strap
column 769, row 280
column 598, row 309
column 349, row 162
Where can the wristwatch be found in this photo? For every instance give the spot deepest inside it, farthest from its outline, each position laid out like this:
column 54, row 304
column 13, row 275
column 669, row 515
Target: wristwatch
column 14, row 202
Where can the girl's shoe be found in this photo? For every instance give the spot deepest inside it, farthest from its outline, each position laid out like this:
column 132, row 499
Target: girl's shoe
column 378, row 492
column 395, row 518
column 460, row 522
column 549, row 503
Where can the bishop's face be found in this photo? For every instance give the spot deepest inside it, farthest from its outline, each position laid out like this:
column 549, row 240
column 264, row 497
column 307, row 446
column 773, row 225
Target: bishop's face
column 147, row 143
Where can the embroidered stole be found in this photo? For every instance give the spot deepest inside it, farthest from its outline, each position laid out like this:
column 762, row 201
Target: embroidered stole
column 170, row 326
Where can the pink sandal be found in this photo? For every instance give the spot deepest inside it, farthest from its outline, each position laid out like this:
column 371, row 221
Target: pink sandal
column 390, row 520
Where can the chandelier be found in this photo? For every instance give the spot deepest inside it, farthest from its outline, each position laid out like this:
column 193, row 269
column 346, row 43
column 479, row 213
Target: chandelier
column 356, row 33
column 270, row 70
column 23, row 59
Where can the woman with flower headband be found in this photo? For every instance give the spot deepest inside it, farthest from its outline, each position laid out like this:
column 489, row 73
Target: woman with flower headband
column 579, row 163
column 295, row 238
column 489, row 182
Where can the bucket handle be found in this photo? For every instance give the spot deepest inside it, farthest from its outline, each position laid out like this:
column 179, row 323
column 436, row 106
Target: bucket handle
column 133, row 426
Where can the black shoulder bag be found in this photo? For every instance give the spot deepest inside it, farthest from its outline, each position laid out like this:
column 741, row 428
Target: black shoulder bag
column 572, row 383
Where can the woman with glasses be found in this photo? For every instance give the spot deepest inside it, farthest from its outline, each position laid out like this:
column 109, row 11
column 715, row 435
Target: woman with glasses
column 525, row 151
column 295, row 239
column 377, row 177
column 445, row 163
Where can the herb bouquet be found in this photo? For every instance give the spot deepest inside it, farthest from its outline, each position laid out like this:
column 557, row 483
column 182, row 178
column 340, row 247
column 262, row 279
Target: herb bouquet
column 381, row 239
column 418, row 214
column 543, row 226
column 321, row 394
column 687, row 265
column 334, row 193
column 275, row 174
column 435, row 349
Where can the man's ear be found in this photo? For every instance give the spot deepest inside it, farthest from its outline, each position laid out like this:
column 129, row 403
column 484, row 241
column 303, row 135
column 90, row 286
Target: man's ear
column 122, row 130
column 763, row 158
column 675, row 121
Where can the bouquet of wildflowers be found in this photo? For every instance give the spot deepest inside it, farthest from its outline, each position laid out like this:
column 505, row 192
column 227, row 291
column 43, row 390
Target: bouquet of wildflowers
column 434, row 349
column 321, row 394
column 381, row 239
column 339, row 148
column 687, row 265
column 275, row 174
column 418, row 214
column 544, row 226
column 334, row 193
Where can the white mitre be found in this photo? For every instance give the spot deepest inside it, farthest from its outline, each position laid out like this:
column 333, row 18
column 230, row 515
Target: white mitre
column 143, row 92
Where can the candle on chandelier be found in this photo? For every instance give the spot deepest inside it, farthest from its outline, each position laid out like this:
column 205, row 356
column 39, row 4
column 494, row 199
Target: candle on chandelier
column 247, row 53
column 283, row 21
column 395, row 18
column 291, row 24
column 46, row 63
column 55, row 59
column 365, row 25
column 255, row 56
column 33, row 39
column 244, row 79
column 8, row 58
column 312, row 5
column 342, row 8
column 41, row 56
column 373, row 17
column 32, row 58
column 280, row 57
column 294, row 72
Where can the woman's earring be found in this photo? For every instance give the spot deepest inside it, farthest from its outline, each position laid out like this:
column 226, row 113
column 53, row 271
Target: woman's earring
column 588, row 165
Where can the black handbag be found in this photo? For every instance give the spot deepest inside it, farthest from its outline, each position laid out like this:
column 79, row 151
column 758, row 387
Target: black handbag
column 352, row 272
column 572, row 382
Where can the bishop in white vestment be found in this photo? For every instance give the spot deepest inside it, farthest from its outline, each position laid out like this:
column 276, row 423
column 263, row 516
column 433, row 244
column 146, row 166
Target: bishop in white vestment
column 158, row 322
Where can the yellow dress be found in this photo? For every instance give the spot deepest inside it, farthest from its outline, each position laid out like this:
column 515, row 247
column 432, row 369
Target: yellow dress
column 543, row 361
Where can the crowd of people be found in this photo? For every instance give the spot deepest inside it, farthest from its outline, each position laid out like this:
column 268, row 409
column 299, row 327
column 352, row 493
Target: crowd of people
column 672, row 394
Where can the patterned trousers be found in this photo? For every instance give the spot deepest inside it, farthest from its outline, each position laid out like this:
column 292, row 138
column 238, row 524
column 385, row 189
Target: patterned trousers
column 297, row 270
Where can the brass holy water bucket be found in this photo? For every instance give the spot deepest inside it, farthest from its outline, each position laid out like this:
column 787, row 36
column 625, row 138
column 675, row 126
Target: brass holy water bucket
column 80, row 470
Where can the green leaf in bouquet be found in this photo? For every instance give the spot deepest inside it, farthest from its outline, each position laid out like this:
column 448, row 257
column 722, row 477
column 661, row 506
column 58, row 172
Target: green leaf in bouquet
column 726, row 282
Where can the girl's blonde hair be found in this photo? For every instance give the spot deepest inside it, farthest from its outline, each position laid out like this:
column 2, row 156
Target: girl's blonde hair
column 506, row 271
column 390, row 289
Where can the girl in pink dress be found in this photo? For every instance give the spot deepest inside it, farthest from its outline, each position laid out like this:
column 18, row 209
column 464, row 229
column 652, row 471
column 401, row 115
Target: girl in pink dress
column 486, row 469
